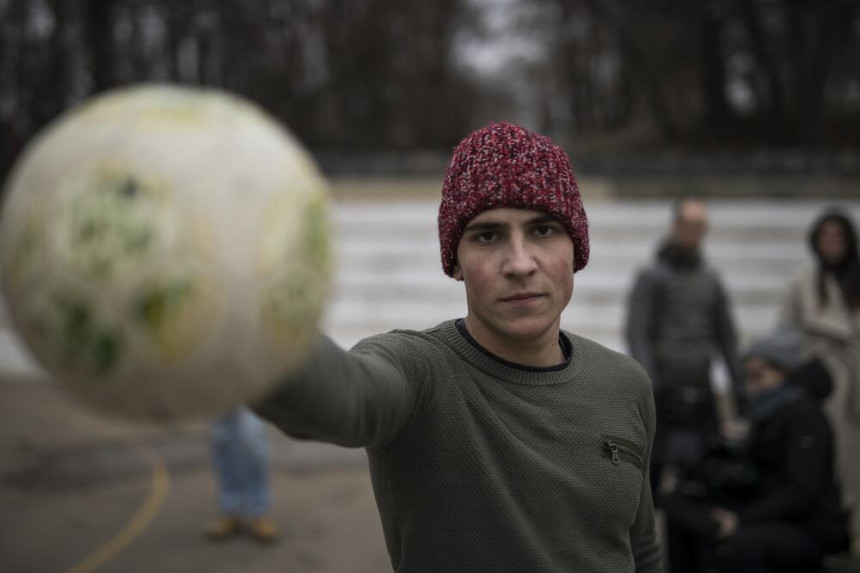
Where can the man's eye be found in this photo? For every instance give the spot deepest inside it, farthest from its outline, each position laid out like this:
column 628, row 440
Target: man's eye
column 486, row 236
column 544, row 230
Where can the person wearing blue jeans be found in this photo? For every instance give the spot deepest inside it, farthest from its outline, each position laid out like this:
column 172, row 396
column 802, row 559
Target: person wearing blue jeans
column 241, row 457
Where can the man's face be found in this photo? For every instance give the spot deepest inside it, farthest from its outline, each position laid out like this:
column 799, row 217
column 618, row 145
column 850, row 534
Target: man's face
column 760, row 376
column 517, row 266
column 691, row 225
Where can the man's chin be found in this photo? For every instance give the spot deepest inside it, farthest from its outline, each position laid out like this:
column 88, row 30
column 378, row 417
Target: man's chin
column 529, row 329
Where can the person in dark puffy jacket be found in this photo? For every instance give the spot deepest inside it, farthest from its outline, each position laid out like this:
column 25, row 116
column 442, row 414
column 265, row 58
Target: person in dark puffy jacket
column 783, row 512
column 678, row 319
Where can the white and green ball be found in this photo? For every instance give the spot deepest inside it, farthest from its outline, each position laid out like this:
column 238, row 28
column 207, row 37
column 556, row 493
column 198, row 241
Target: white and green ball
column 165, row 251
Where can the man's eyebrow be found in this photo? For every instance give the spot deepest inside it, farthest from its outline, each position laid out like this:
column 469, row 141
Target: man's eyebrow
column 495, row 225
column 542, row 219
column 485, row 226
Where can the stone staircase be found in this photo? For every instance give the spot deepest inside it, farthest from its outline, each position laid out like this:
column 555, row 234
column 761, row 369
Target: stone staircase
column 389, row 274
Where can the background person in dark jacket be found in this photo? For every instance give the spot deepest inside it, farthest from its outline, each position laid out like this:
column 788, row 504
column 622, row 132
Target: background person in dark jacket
column 783, row 512
column 678, row 318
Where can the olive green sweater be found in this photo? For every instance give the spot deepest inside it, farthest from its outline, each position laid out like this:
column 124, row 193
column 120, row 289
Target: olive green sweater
column 480, row 465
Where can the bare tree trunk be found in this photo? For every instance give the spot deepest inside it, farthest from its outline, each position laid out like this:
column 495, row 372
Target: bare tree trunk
column 764, row 55
column 643, row 67
column 713, row 70
column 826, row 27
column 99, row 21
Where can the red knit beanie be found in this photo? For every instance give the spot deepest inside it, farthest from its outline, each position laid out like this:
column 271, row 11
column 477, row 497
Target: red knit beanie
column 504, row 165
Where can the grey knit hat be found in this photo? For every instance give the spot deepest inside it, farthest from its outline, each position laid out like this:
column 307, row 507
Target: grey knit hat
column 782, row 348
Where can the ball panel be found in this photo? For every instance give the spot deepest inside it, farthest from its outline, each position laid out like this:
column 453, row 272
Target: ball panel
column 111, row 217
column 70, row 334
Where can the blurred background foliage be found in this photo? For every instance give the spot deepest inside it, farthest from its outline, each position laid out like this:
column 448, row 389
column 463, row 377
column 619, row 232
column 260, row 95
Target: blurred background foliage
column 402, row 76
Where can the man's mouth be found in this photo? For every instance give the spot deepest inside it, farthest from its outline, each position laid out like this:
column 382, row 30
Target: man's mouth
column 521, row 296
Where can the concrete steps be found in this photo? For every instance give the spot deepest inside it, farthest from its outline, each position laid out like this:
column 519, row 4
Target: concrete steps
column 389, row 274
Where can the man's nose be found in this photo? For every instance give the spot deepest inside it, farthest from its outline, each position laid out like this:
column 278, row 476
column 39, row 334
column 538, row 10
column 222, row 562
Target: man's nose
column 519, row 258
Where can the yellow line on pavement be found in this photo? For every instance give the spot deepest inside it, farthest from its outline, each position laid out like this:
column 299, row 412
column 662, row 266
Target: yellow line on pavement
column 138, row 523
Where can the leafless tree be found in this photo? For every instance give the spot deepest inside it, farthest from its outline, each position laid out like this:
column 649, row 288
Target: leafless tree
column 343, row 74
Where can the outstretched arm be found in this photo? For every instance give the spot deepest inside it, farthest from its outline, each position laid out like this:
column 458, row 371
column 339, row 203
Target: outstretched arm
column 355, row 399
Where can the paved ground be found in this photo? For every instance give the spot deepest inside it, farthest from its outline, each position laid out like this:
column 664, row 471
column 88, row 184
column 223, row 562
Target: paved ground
column 81, row 493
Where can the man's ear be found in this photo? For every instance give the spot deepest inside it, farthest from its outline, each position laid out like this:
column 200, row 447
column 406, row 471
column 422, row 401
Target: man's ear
column 457, row 274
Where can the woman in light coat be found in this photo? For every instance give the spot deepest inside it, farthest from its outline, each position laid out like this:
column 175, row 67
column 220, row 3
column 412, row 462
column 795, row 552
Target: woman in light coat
column 823, row 303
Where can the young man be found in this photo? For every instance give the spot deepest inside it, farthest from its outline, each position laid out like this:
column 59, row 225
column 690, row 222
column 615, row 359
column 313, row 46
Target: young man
column 497, row 442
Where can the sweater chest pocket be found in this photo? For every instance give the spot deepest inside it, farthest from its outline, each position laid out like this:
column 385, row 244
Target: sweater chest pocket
column 621, row 450
column 621, row 471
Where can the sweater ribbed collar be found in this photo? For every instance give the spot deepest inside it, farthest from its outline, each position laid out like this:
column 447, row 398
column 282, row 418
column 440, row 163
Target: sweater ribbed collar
column 503, row 370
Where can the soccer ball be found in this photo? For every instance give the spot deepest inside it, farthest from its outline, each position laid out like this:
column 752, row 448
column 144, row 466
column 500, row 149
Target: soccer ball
column 165, row 251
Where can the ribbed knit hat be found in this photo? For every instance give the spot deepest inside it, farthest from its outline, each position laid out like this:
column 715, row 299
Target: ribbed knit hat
column 504, row 165
column 782, row 348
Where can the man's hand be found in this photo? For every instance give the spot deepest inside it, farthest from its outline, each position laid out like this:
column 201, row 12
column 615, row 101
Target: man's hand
column 728, row 521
